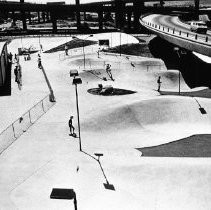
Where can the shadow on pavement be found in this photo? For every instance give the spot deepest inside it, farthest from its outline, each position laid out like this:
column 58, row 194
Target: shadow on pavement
column 107, row 185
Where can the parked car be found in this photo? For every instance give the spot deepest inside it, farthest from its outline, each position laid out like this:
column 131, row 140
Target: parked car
column 198, row 27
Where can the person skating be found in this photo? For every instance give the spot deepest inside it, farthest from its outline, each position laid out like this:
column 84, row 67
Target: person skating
column 159, row 83
column 72, row 129
column 16, row 73
column 39, row 61
column 108, row 71
column 66, row 49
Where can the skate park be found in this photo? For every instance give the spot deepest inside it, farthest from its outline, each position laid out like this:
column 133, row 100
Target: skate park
column 118, row 126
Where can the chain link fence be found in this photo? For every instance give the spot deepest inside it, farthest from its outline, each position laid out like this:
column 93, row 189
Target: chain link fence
column 21, row 125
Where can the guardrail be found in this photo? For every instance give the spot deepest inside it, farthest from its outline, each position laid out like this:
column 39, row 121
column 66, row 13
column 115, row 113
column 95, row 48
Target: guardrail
column 22, row 124
column 202, row 39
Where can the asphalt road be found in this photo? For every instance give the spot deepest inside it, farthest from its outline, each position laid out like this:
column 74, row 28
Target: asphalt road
column 171, row 22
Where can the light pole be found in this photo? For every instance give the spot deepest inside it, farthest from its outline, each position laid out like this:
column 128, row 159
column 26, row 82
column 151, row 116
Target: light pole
column 91, row 35
column 120, row 48
column 77, row 81
column 177, row 51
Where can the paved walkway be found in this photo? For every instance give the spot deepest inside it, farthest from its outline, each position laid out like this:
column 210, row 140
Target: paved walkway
column 46, row 157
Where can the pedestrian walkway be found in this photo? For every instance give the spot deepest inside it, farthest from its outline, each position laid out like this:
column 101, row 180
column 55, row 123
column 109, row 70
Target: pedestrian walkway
column 112, row 127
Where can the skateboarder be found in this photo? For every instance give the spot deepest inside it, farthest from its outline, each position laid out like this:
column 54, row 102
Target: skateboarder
column 39, row 61
column 98, row 53
column 159, row 83
column 66, row 49
column 108, row 71
column 70, row 123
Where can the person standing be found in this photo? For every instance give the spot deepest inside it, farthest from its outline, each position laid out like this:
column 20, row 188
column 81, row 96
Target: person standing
column 66, row 49
column 70, row 123
column 159, row 83
column 39, row 61
column 16, row 73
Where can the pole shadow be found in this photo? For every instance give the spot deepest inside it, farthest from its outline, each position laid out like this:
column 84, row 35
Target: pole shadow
column 107, row 185
column 206, row 93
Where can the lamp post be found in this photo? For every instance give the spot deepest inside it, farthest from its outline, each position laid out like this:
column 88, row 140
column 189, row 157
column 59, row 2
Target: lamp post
column 91, row 35
column 120, row 47
column 177, row 51
column 77, row 81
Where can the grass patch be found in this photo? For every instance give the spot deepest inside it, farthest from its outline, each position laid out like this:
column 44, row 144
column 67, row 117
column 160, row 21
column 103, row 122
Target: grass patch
column 193, row 146
column 132, row 49
column 71, row 45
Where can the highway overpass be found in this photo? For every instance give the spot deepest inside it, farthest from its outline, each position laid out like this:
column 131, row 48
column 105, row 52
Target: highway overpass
column 176, row 32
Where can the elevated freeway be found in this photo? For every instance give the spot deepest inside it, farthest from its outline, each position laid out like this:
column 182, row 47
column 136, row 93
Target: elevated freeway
column 176, row 32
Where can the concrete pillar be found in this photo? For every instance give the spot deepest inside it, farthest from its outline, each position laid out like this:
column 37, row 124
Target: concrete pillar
column 23, row 17
column 78, row 16
column 197, row 9
column 29, row 16
column 53, row 19
column 100, row 19
column 38, row 17
column 138, row 8
column 47, row 16
column 84, row 16
column 119, row 14
column 129, row 20
column 13, row 18
column 43, row 17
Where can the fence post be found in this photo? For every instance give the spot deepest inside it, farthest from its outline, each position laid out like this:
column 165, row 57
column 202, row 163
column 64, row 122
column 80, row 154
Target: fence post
column 187, row 34
column 180, row 32
column 173, row 30
column 42, row 106
column 163, row 28
column 13, row 130
column 196, row 36
column 168, row 29
column 30, row 120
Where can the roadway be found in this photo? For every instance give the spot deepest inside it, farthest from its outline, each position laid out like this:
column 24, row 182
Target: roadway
column 171, row 22
column 176, row 32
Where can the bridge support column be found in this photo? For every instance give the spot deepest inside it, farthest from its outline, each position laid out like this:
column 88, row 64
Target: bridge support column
column 119, row 14
column 43, row 17
column 38, row 17
column 197, row 9
column 78, row 15
column 13, row 18
column 23, row 16
column 138, row 8
column 54, row 19
column 84, row 16
column 29, row 16
column 129, row 20
column 100, row 19
column 47, row 16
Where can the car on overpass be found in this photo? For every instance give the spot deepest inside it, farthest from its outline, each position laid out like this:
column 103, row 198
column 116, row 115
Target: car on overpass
column 198, row 27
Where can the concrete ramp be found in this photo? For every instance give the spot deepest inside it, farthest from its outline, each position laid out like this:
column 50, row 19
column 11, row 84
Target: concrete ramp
column 163, row 113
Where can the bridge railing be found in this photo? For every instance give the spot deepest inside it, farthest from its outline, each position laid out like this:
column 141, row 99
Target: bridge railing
column 22, row 124
column 201, row 38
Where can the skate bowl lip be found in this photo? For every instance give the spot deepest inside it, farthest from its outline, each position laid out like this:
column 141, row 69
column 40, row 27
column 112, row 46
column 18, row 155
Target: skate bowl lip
column 115, row 92
column 153, row 114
